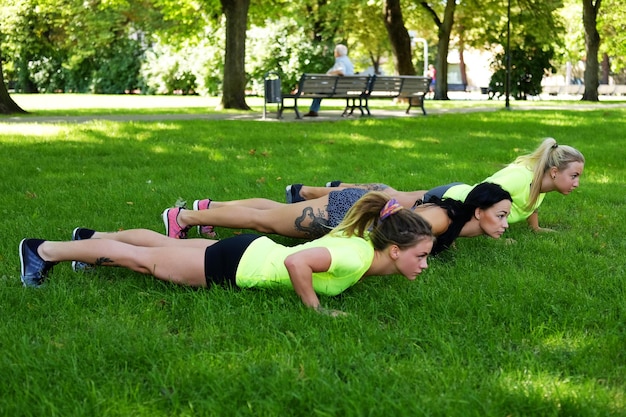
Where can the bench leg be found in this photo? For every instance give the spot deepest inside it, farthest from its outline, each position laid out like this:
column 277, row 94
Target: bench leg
column 282, row 107
column 361, row 106
column 295, row 108
column 345, row 109
column 420, row 103
column 352, row 106
column 349, row 110
column 366, row 106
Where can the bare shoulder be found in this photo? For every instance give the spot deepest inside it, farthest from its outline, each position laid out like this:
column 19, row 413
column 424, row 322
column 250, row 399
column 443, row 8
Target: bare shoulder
column 436, row 216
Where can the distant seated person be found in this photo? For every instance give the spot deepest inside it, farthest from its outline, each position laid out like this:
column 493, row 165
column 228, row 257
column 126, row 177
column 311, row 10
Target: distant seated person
column 343, row 66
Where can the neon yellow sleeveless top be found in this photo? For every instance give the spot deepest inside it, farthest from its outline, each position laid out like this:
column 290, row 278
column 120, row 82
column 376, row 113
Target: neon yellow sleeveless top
column 515, row 179
column 263, row 264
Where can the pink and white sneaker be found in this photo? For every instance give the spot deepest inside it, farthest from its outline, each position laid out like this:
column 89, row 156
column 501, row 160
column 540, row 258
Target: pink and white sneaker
column 207, row 231
column 172, row 228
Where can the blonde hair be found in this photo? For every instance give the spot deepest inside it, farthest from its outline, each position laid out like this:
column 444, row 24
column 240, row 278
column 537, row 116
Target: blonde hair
column 549, row 154
column 404, row 228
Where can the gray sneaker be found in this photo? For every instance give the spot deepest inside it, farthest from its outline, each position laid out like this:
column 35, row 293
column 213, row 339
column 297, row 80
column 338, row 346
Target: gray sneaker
column 34, row 269
column 78, row 266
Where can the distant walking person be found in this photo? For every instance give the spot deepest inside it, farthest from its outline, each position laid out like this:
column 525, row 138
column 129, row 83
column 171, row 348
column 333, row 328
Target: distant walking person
column 343, row 66
column 432, row 74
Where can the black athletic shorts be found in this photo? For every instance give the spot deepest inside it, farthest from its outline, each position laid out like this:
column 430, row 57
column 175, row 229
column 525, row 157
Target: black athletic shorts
column 222, row 259
column 438, row 191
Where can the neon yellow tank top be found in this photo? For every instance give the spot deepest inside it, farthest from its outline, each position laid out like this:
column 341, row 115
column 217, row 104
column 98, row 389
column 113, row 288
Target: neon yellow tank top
column 262, row 264
column 515, row 179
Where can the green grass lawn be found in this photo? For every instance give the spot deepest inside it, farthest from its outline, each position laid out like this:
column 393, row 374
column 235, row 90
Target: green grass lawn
column 530, row 325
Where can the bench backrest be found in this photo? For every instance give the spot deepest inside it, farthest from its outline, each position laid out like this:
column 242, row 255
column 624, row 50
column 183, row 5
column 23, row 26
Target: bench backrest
column 620, row 89
column 606, row 89
column 572, row 89
column 351, row 85
column 323, row 85
column 385, row 86
column 413, row 86
column 317, row 85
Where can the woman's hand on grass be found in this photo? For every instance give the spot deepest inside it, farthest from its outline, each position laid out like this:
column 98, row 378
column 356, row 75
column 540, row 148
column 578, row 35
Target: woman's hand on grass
column 330, row 312
column 543, row 230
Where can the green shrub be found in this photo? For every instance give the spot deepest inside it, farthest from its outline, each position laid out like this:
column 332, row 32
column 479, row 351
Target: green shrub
column 529, row 62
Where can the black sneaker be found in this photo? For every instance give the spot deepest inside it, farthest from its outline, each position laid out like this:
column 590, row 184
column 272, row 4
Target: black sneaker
column 292, row 193
column 333, row 184
column 34, row 269
column 81, row 233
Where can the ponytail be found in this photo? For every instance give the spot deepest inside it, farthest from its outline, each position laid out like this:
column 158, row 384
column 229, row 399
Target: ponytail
column 549, row 154
column 387, row 221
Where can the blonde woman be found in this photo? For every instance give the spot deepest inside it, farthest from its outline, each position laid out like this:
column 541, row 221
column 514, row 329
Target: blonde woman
column 551, row 167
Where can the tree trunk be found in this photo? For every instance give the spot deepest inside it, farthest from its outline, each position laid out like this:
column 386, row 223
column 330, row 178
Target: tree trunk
column 592, row 45
column 399, row 37
column 7, row 105
column 444, row 31
column 462, row 65
column 234, row 91
column 606, row 69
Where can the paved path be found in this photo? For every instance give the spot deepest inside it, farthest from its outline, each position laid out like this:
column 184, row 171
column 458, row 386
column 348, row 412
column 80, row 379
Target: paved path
column 327, row 115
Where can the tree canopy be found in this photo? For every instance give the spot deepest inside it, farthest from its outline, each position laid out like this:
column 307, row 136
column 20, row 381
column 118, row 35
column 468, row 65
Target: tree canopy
column 147, row 46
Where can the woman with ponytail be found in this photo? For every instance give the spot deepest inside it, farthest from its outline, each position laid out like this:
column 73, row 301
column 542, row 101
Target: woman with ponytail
column 551, row 167
column 484, row 212
column 377, row 237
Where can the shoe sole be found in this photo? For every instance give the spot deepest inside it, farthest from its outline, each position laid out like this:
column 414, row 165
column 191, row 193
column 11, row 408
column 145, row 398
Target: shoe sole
column 288, row 197
column 22, row 266
column 166, row 222
column 196, row 206
column 75, row 268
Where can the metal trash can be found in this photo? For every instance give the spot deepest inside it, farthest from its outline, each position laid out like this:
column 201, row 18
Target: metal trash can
column 272, row 90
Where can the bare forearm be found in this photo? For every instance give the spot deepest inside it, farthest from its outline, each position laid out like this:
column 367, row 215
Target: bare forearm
column 301, row 266
column 301, row 276
column 303, row 285
column 533, row 221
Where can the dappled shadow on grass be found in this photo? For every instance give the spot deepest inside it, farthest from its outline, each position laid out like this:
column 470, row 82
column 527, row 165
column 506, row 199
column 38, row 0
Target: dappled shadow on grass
column 531, row 327
column 534, row 392
column 160, row 161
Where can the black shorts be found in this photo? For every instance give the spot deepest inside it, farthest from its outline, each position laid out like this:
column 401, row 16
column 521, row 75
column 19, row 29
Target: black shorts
column 222, row 259
column 438, row 191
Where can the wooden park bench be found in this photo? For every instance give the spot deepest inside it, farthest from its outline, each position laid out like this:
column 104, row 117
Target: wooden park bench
column 411, row 87
column 357, row 90
column 350, row 88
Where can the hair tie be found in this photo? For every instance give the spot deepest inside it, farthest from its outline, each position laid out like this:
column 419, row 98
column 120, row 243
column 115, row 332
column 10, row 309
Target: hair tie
column 392, row 206
column 556, row 145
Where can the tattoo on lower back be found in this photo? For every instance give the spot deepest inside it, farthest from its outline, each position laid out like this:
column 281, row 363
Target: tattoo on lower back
column 103, row 260
column 312, row 224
